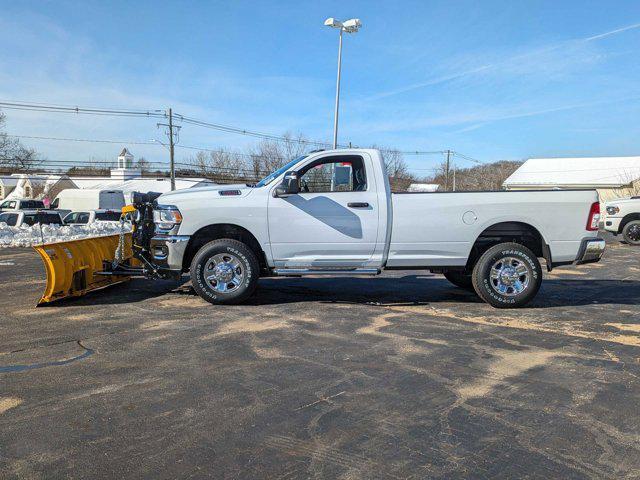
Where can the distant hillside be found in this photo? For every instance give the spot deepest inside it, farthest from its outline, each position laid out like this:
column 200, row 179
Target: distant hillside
column 488, row 176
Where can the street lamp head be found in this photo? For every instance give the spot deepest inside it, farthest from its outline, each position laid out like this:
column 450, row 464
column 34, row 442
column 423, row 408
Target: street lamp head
column 352, row 25
column 332, row 22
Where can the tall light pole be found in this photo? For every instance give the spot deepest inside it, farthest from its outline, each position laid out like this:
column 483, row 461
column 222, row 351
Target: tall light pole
column 349, row 26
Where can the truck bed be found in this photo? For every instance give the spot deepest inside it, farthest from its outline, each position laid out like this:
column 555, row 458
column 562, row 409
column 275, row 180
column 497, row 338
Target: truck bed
column 440, row 228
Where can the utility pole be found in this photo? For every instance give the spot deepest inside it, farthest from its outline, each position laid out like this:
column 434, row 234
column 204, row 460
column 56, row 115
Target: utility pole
column 172, row 166
column 446, row 172
column 170, row 128
column 454, row 174
column 337, row 106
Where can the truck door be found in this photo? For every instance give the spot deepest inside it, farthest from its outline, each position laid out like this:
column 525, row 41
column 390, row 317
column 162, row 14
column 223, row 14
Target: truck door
column 333, row 221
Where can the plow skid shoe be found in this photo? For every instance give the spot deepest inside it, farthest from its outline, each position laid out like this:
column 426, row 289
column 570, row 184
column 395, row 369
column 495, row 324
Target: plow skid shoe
column 73, row 267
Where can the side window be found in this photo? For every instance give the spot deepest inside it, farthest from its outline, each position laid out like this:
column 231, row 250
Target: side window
column 71, row 218
column 108, row 216
column 83, row 217
column 51, row 219
column 9, row 218
column 29, row 219
column 12, row 220
column 334, row 174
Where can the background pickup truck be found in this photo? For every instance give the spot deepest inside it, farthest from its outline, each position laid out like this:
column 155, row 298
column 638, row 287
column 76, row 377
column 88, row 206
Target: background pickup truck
column 333, row 213
column 622, row 217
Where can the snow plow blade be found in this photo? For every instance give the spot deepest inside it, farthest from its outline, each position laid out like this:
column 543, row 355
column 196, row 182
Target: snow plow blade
column 77, row 267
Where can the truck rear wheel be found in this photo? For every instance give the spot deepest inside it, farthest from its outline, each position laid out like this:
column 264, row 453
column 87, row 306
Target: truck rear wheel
column 459, row 279
column 631, row 232
column 507, row 275
column 225, row 271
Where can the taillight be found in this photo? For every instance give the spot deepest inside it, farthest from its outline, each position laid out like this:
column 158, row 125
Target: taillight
column 594, row 217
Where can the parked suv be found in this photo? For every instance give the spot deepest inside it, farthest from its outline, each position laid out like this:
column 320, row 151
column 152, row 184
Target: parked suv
column 90, row 216
column 21, row 204
column 18, row 218
column 622, row 217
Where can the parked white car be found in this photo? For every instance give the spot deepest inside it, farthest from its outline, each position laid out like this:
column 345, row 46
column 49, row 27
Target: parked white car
column 18, row 218
column 333, row 213
column 622, row 217
column 90, row 216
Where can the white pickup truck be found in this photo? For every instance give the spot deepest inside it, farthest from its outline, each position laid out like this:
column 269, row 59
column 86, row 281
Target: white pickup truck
column 333, row 213
column 622, row 217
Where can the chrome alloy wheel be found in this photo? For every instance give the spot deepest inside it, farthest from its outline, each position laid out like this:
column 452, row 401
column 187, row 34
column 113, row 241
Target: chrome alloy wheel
column 224, row 272
column 509, row 276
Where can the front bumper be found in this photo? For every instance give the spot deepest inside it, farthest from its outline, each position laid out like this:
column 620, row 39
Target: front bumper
column 591, row 251
column 612, row 224
column 167, row 251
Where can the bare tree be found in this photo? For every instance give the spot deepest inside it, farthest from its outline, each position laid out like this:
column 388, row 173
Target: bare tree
column 269, row 155
column 14, row 156
column 397, row 169
column 143, row 165
column 221, row 166
column 489, row 176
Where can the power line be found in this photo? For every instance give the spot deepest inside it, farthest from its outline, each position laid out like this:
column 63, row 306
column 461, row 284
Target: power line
column 42, row 107
column 123, row 142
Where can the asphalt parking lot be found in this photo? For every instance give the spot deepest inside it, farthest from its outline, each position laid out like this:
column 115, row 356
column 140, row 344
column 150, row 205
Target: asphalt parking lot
column 399, row 376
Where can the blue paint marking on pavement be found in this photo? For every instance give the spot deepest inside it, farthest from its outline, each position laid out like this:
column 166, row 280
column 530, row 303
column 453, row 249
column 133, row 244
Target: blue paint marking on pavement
column 57, row 363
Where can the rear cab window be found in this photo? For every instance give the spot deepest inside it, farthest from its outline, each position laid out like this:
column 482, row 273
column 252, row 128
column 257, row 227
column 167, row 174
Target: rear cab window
column 108, row 216
column 9, row 218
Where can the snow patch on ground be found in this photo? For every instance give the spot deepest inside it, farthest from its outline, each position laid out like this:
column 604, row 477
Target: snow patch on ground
column 27, row 236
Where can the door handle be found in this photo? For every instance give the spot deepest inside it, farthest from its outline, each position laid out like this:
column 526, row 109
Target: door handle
column 357, row 205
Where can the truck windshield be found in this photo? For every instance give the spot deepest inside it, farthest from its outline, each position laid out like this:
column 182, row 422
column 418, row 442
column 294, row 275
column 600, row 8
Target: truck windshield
column 269, row 178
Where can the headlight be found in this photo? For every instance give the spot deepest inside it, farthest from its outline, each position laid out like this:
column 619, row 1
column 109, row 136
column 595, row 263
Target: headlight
column 612, row 210
column 167, row 217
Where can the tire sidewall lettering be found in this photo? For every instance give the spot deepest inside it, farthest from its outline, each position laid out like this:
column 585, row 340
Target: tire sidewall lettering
column 531, row 266
column 204, row 286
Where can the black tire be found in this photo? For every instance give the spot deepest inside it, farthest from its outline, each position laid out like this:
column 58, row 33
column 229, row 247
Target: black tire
column 504, row 291
column 230, row 252
column 459, row 279
column 631, row 232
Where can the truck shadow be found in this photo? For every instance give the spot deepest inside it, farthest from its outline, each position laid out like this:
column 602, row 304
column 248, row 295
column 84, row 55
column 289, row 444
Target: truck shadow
column 422, row 290
column 383, row 291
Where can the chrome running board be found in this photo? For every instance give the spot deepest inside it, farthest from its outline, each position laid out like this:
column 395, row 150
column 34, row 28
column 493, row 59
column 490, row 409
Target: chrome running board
column 283, row 272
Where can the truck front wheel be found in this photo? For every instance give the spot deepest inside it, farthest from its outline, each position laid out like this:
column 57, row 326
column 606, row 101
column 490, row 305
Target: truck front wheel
column 631, row 232
column 225, row 271
column 507, row 275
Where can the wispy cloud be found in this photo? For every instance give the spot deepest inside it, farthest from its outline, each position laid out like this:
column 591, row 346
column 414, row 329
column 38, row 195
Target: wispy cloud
column 473, row 120
column 513, row 60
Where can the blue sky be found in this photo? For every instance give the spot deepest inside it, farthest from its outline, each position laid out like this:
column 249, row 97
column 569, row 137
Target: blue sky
column 493, row 79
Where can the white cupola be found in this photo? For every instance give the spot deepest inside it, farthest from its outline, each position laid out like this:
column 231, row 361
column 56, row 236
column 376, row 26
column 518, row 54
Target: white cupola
column 125, row 170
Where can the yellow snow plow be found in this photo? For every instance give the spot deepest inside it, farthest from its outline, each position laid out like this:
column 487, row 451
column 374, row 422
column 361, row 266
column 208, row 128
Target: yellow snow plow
column 77, row 266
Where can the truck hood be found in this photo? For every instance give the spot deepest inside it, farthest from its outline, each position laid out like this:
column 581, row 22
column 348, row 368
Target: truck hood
column 208, row 193
column 622, row 201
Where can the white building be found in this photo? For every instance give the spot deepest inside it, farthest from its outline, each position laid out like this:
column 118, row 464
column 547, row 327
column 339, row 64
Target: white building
column 423, row 187
column 33, row 186
column 612, row 177
column 124, row 177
